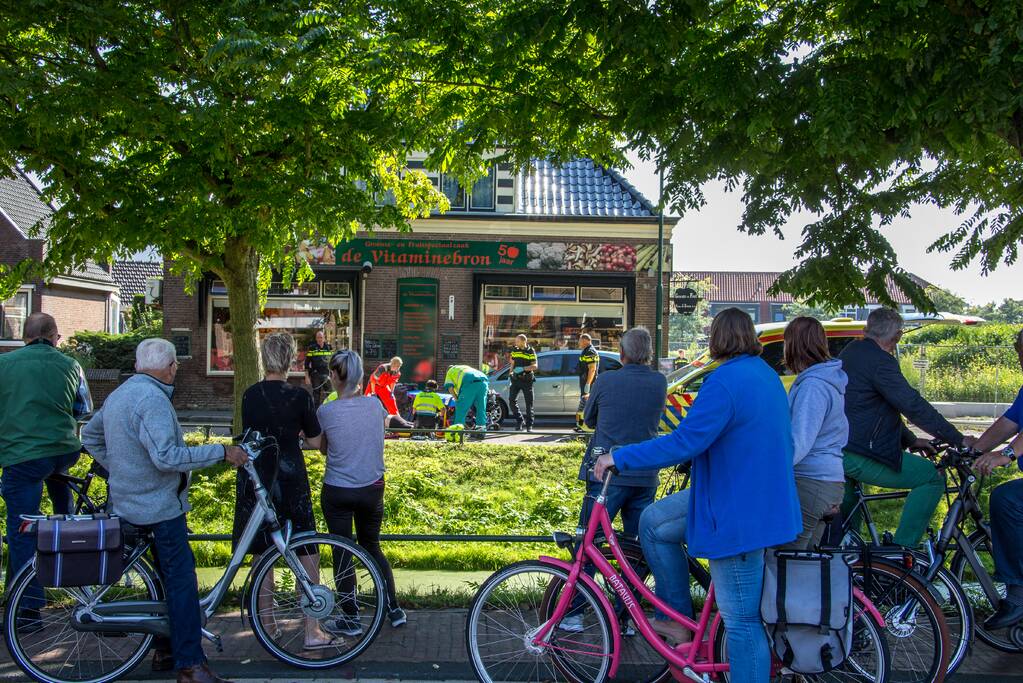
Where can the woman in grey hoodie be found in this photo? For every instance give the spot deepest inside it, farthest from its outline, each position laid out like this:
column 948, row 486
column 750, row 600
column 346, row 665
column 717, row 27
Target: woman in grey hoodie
column 819, row 427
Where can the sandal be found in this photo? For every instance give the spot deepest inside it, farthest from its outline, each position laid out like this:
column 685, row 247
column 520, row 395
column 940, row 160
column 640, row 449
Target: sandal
column 322, row 645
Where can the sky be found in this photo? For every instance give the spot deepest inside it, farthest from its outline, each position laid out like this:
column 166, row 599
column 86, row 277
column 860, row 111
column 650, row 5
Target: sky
column 709, row 240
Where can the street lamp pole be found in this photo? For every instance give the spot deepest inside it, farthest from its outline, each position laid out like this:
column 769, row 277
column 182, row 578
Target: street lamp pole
column 660, row 270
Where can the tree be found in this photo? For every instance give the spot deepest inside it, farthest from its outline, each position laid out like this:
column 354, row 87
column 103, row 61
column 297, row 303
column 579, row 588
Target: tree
column 223, row 134
column 689, row 330
column 852, row 111
column 946, row 301
column 794, row 310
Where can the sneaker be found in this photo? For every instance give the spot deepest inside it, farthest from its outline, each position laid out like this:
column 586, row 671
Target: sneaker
column 346, row 625
column 518, row 427
column 578, row 428
column 572, row 624
column 397, row 617
column 529, row 430
column 629, row 631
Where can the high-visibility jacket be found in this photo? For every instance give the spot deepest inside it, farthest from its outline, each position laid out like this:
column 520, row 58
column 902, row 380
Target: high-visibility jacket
column 381, row 384
column 457, row 374
column 428, row 403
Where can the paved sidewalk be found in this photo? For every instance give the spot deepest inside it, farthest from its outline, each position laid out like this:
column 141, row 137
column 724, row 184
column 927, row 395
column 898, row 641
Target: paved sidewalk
column 431, row 647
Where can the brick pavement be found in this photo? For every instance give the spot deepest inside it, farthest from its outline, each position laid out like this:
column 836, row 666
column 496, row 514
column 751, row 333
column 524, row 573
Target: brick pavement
column 432, row 647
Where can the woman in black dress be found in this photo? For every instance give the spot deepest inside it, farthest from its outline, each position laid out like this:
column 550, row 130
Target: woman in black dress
column 276, row 408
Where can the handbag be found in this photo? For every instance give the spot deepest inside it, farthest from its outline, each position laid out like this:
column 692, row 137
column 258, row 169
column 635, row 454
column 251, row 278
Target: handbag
column 84, row 550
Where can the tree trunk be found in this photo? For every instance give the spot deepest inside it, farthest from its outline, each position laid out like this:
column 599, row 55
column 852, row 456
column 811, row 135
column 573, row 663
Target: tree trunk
column 240, row 274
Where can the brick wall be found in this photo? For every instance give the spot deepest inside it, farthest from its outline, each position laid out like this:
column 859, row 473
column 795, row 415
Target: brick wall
column 74, row 309
column 196, row 390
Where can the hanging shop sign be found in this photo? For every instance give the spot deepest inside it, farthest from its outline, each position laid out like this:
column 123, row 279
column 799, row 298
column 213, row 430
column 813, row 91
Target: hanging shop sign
column 417, row 328
column 686, row 300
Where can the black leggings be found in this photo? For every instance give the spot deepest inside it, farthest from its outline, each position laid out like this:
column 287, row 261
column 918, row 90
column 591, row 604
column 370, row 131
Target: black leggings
column 366, row 507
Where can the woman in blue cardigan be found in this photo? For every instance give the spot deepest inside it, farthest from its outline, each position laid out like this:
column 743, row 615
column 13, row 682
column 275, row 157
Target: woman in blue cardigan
column 742, row 500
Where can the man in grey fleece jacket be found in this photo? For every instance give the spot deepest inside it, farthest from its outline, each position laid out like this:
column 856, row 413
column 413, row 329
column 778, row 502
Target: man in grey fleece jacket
column 137, row 438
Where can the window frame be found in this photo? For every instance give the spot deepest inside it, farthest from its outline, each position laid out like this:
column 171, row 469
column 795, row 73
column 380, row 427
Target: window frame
column 573, row 300
column 492, row 175
column 27, row 291
column 582, row 298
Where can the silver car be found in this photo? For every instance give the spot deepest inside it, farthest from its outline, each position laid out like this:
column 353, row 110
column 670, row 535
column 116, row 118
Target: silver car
column 556, row 390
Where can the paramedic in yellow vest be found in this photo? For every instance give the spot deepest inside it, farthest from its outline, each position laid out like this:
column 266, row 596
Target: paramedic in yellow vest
column 317, row 376
column 523, row 359
column 428, row 408
column 589, row 362
column 469, row 387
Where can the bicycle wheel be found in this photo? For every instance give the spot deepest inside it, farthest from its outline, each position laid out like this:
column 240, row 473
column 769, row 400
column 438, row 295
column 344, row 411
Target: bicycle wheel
column 351, row 601
column 508, row 609
column 44, row 644
column 869, row 659
column 914, row 623
column 982, row 605
column 638, row 661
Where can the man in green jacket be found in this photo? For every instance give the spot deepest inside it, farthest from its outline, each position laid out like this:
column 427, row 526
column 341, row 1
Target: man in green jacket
column 42, row 393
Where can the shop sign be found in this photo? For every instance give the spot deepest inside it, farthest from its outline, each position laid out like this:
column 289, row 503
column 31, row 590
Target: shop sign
column 432, row 253
column 496, row 254
column 417, row 328
column 686, row 300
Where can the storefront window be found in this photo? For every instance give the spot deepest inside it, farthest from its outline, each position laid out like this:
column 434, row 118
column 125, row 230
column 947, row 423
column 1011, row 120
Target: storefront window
column 601, row 294
column 12, row 317
column 302, row 318
column 549, row 326
column 516, row 292
column 554, row 293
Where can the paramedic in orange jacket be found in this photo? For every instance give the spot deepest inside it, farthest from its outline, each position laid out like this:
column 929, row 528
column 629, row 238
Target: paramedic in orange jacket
column 381, row 384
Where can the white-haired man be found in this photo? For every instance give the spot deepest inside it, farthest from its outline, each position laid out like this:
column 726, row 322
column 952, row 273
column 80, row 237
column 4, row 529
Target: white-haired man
column 136, row 436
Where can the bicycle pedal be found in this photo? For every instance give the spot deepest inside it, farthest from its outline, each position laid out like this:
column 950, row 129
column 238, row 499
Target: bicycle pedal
column 693, row 676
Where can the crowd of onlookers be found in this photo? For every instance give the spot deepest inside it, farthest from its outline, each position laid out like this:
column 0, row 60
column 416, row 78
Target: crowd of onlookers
column 769, row 468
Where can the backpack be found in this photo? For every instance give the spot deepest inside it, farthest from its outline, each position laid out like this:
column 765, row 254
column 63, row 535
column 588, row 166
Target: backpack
column 807, row 609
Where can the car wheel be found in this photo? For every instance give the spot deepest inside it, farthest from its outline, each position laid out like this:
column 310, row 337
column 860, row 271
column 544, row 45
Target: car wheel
column 498, row 414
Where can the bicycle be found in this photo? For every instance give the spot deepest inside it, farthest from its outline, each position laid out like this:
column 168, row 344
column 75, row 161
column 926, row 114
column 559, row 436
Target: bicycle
column 970, row 593
column 517, row 612
column 96, row 634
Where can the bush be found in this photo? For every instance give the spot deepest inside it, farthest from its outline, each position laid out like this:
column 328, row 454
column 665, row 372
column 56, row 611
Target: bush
column 105, row 350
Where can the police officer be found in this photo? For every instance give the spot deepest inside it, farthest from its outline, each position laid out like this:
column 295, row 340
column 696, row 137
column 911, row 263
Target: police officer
column 523, row 359
column 589, row 362
column 317, row 373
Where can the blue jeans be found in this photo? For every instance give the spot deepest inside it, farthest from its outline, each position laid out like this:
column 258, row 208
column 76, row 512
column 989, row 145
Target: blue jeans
column 738, row 583
column 662, row 531
column 629, row 500
column 177, row 569
column 473, row 392
column 22, row 487
column 1007, row 531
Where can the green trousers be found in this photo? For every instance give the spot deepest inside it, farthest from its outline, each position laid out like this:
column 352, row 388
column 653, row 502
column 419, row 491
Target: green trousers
column 918, row 474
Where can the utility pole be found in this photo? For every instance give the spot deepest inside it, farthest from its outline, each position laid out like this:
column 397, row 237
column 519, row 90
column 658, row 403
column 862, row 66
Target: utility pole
column 659, row 324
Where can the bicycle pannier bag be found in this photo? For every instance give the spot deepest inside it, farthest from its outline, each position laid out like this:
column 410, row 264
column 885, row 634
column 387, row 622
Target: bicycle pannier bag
column 82, row 551
column 807, row 609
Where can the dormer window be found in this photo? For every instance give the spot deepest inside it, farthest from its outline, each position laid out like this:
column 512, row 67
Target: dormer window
column 481, row 198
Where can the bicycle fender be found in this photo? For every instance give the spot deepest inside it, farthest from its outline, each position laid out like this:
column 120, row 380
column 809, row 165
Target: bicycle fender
column 605, row 604
column 868, row 606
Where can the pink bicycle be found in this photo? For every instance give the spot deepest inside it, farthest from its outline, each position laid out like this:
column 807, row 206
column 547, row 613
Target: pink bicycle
column 548, row 620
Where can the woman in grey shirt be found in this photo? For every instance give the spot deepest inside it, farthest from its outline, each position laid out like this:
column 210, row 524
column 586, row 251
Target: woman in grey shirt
column 353, row 484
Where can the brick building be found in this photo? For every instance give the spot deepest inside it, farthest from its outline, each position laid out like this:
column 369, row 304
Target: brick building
column 550, row 252
column 748, row 290
column 85, row 299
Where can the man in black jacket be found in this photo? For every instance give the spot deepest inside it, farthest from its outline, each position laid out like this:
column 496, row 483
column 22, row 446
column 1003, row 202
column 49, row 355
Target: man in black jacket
column 876, row 398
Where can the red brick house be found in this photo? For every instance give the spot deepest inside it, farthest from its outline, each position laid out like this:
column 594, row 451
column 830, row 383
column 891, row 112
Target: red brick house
column 551, row 253
column 748, row 290
column 82, row 300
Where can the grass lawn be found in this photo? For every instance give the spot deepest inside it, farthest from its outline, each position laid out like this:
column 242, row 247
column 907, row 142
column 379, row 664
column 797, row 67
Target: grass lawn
column 476, row 488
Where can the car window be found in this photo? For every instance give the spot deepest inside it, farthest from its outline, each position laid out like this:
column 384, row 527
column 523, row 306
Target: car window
column 549, row 365
column 503, row 375
column 607, row 363
column 837, row 344
column 772, row 355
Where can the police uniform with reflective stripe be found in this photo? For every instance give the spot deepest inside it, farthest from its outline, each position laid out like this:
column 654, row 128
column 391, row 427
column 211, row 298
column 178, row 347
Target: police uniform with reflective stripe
column 522, row 382
column 589, row 358
column 317, row 364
